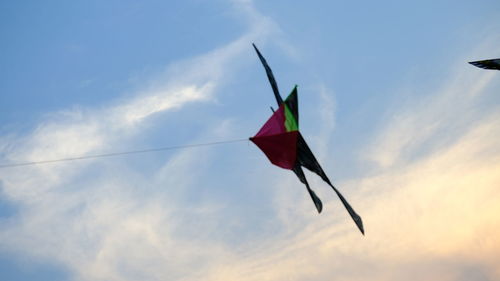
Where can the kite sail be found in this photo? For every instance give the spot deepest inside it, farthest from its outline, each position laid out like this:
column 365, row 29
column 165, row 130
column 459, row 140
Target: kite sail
column 487, row 64
column 283, row 144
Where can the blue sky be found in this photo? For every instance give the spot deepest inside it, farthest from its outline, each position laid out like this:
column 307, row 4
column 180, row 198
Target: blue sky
column 402, row 124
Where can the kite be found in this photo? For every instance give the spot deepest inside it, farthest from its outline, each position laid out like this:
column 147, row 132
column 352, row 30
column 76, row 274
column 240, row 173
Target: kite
column 487, row 64
column 283, row 144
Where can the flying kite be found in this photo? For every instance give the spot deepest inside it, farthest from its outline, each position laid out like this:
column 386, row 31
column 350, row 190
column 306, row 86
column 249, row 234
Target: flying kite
column 283, row 144
column 487, row 64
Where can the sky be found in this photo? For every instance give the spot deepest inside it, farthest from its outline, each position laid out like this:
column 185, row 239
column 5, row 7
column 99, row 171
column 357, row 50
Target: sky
column 405, row 128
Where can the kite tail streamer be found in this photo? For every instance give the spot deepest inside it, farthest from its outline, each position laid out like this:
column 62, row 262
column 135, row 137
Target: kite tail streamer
column 352, row 213
column 270, row 76
column 300, row 174
column 315, row 198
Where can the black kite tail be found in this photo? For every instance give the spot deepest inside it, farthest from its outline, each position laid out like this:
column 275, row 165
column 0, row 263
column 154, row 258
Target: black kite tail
column 270, row 76
column 300, row 174
column 306, row 158
column 350, row 210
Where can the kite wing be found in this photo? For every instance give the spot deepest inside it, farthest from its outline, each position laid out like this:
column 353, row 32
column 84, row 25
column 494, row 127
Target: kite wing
column 487, row 64
column 283, row 144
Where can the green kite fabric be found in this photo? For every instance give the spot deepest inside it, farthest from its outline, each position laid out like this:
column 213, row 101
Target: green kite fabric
column 282, row 143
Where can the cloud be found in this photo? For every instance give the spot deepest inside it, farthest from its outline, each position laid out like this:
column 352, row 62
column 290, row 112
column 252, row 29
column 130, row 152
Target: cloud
column 106, row 221
column 433, row 216
column 430, row 205
column 430, row 216
column 425, row 118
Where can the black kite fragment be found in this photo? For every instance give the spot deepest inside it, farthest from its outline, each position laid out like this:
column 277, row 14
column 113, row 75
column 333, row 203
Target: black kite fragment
column 487, row 64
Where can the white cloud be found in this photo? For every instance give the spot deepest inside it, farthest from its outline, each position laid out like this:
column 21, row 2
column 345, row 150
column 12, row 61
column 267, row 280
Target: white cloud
column 107, row 222
column 434, row 216
column 445, row 109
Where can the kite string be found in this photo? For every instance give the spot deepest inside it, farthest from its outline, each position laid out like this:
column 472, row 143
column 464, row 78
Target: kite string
column 112, row 154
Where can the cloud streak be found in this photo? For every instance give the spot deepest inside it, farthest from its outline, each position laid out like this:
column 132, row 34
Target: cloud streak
column 430, row 204
column 430, row 216
column 105, row 222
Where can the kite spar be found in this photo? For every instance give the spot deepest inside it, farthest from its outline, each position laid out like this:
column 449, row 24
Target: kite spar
column 283, row 144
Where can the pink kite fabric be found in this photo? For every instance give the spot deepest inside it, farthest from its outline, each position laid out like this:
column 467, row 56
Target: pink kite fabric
column 280, row 149
column 278, row 145
column 274, row 125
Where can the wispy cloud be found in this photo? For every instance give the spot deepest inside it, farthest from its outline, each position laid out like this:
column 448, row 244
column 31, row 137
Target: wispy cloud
column 430, row 216
column 95, row 220
column 430, row 208
column 446, row 109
